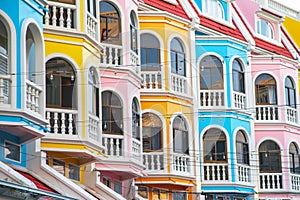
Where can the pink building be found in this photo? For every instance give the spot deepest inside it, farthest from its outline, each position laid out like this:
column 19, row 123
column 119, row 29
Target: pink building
column 275, row 108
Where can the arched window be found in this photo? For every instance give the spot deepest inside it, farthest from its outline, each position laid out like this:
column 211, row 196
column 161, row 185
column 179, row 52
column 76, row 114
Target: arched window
column 290, row 97
column 30, row 56
column 152, row 132
column 211, row 73
column 136, row 122
column 110, row 23
column 4, row 70
column 294, row 159
column 150, row 52
column 265, row 28
column 60, row 84
column 238, row 76
column 214, row 142
column 93, row 92
column 214, row 8
column 180, row 136
column 269, row 157
column 112, row 113
column 242, row 148
column 177, row 57
column 133, row 32
column 265, row 90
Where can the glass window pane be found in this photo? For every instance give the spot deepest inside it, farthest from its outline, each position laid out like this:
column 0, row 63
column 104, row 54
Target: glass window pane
column 12, row 151
column 74, row 172
column 59, row 166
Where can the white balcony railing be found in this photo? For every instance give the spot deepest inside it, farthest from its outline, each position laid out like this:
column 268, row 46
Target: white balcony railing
column 291, row 115
column 154, row 161
column 151, row 80
column 92, row 26
column 179, row 84
column 111, row 55
column 94, row 128
column 270, row 181
column 62, row 121
column 33, row 93
column 215, row 172
column 239, row 100
column 212, row 98
column 295, row 182
column 113, row 144
column 243, row 173
column 60, row 15
column 134, row 58
column 136, row 148
column 267, row 113
column 181, row 163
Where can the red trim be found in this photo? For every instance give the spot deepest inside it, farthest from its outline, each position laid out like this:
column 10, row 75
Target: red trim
column 165, row 6
column 40, row 185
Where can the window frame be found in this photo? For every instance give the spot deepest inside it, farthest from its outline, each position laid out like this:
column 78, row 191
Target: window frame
column 215, row 142
column 150, row 139
column 60, row 163
column 175, row 62
column 288, row 91
column 293, row 156
column 267, row 154
column 93, row 92
column 76, row 171
column 181, row 131
column 111, row 121
column 133, row 32
column 136, row 119
column 211, row 59
column 105, row 36
column 147, row 49
column 238, row 74
column 16, row 147
column 61, row 75
column 245, row 146
column 259, row 87
column 269, row 32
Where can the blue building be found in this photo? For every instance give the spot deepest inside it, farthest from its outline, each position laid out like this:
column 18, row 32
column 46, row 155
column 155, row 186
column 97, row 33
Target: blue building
column 225, row 121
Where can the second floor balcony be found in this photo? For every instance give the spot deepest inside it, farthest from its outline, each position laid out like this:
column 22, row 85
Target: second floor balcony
column 157, row 162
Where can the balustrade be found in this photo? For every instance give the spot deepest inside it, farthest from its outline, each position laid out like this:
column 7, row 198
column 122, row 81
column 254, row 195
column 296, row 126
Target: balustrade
column 33, row 93
column 267, row 113
column 270, row 181
column 215, row 172
column 62, row 121
column 151, row 80
column 212, row 98
column 179, row 84
column 181, row 163
column 94, row 127
column 295, row 182
column 239, row 100
column 113, row 144
column 111, row 55
column 243, row 173
column 60, row 15
column 153, row 161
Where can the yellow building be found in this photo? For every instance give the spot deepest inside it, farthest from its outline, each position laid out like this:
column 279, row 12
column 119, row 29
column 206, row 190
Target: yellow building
column 167, row 103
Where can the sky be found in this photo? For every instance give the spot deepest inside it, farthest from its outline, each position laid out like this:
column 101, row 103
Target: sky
column 295, row 4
